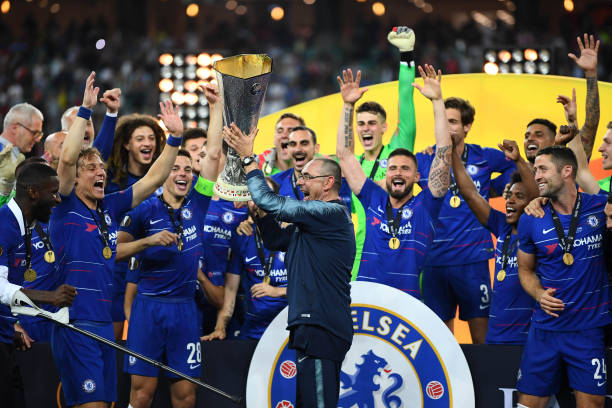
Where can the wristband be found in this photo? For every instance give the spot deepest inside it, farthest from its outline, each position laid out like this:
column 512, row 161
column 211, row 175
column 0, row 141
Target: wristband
column 84, row 113
column 174, row 141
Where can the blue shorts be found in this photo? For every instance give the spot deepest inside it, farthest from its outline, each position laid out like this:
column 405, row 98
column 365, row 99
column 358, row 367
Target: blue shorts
column 546, row 354
column 87, row 368
column 165, row 330
column 469, row 286
column 38, row 328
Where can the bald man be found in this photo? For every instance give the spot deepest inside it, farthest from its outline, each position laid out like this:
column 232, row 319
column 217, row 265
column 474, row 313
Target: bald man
column 53, row 147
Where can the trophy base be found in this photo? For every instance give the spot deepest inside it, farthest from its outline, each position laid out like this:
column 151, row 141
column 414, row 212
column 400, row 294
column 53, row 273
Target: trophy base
column 232, row 192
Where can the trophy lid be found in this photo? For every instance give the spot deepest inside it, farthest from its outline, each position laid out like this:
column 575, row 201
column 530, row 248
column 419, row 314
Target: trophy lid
column 244, row 66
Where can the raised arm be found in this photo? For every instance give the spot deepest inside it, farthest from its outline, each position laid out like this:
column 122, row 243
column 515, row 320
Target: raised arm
column 104, row 140
column 160, row 169
column 588, row 63
column 479, row 206
column 511, row 150
column 214, row 142
column 439, row 173
column 345, row 143
column 403, row 38
column 584, row 177
column 66, row 168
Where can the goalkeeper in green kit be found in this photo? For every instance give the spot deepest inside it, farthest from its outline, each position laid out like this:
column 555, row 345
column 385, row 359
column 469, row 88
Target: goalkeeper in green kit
column 371, row 126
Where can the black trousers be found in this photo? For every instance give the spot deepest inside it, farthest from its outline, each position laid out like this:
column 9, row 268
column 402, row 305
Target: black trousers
column 319, row 356
column 11, row 384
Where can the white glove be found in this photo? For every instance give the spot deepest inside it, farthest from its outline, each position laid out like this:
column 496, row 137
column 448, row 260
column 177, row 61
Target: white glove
column 402, row 37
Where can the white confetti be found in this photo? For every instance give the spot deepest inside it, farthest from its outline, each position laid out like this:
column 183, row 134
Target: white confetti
column 100, row 43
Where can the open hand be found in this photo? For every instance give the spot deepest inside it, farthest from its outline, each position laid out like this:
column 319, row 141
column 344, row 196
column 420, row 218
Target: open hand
column 90, row 96
column 237, row 140
column 349, row 87
column 588, row 55
column 169, row 115
column 431, row 82
column 569, row 106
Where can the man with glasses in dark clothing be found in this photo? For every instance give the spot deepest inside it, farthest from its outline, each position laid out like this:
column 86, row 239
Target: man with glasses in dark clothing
column 320, row 248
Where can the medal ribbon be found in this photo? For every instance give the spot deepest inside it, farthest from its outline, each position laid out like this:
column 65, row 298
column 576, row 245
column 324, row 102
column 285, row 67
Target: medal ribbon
column 567, row 243
column 266, row 264
column 453, row 187
column 177, row 222
column 28, row 246
column 376, row 163
column 102, row 226
column 505, row 254
column 294, row 185
column 394, row 223
column 43, row 237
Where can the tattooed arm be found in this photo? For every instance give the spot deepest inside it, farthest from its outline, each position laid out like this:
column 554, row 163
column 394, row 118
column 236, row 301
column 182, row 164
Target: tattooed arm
column 439, row 173
column 345, row 144
column 588, row 63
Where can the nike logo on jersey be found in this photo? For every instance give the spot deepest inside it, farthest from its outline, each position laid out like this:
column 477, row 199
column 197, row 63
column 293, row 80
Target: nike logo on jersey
column 154, row 222
column 299, row 360
column 192, row 366
column 482, row 307
column 601, row 384
column 249, row 259
column 546, row 231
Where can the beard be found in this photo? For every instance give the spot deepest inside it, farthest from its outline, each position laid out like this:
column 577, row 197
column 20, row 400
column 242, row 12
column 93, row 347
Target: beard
column 399, row 194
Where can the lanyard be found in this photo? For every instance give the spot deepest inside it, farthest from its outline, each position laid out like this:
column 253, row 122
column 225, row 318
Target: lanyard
column 177, row 222
column 266, row 264
column 464, row 156
column 43, row 237
column 505, row 254
column 376, row 163
column 567, row 243
column 102, row 225
column 394, row 223
column 294, row 185
column 28, row 246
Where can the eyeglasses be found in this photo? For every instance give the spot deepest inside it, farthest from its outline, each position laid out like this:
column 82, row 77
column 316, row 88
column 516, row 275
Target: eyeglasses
column 36, row 133
column 308, row 177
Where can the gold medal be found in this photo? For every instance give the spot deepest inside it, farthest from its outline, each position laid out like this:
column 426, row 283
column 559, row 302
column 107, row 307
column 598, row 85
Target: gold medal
column 568, row 259
column 49, row 256
column 501, row 275
column 29, row 275
column 455, row 201
column 266, row 279
column 179, row 244
column 394, row 243
column 107, row 252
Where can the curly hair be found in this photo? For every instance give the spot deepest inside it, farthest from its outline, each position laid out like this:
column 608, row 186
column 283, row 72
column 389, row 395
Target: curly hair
column 117, row 163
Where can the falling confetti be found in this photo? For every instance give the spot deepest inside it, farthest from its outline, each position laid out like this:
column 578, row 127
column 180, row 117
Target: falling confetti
column 100, row 43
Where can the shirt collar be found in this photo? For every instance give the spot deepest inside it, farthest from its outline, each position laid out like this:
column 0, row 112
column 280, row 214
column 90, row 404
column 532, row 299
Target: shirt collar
column 14, row 207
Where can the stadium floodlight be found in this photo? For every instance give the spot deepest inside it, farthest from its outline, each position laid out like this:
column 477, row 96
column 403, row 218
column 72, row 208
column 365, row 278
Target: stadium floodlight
column 181, row 74
column 491, row 68
column 530, row 60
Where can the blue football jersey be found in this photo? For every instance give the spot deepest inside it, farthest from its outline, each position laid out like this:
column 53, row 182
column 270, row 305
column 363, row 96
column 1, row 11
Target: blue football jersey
column 511, row 307
column 247, row 264
column 460, row 238
column 582, row 286
column 220, row 225
column 77, row 239
column 166, row 270
column 399, row 268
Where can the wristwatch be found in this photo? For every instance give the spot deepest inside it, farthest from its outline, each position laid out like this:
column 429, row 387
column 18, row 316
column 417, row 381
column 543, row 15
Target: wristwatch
column 248, row 160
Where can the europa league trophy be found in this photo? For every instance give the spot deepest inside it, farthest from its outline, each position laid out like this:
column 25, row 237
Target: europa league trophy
column 243, row 80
